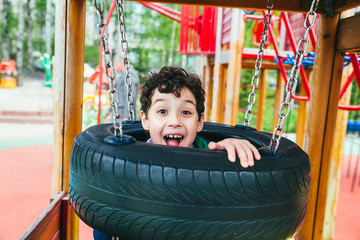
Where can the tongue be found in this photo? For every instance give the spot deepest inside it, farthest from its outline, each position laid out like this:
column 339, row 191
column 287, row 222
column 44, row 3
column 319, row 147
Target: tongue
column 172, row 142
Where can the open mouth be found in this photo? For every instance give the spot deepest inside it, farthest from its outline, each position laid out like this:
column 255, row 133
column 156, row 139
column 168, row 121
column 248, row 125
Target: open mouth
column 173, row 140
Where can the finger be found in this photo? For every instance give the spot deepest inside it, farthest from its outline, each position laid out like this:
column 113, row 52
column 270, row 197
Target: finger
column 213, row 146
column 254, row 152
column 231, row 153
column 243, row 154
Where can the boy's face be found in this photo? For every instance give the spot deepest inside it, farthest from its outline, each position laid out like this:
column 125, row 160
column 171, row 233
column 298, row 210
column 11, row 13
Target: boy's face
column 171, row 120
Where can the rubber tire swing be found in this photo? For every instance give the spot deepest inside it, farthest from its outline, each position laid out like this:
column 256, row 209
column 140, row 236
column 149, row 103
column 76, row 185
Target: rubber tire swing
column 149, row 191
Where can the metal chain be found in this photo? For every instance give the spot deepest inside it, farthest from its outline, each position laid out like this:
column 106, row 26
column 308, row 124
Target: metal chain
column 293, row 78
column 126, row 60
column 258, row 63
column 109, row 68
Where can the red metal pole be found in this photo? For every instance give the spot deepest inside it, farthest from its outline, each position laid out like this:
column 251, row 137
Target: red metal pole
column 163, row 10
column 302, row 70
column 356, row 72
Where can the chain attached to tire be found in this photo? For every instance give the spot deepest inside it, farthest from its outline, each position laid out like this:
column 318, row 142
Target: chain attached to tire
column 126, row 59
column 293, row 78
column 258, row 63
column 109, row 67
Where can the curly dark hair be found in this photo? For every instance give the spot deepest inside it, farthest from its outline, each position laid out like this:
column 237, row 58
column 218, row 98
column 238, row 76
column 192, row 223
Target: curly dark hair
column 172, row 80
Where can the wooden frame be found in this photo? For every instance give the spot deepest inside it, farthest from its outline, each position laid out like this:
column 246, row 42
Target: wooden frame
column 69, row 59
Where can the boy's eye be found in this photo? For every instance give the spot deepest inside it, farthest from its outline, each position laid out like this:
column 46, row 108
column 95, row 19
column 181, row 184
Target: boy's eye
column 186, row 112
column 162, row 111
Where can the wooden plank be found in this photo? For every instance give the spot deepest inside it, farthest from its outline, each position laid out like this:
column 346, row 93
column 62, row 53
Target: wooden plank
column 73, row 91
column 215, row 113
column 208, row 74
column 223, row 87
column 234, row 69
column 329, row 140
column 261, row 101
column 288, row 6
column 336, row 161
column 58, row 87
column 302, row 114
column 348, row 39
column 322, row 116
column 267, row 64
column 280, row 84
column 48, row 225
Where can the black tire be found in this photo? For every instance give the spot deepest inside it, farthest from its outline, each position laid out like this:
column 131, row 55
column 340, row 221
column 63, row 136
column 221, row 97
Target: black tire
column 148, row 191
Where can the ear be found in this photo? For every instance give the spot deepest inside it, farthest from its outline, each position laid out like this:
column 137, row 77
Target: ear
column 144, row 120
column 200, row 123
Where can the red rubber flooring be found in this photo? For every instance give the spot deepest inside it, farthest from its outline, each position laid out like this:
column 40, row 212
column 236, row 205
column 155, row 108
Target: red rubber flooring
column 25, row 190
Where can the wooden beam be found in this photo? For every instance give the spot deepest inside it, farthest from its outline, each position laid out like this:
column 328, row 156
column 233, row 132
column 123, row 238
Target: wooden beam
column 302, row 114
column 49, row 224
column 322, row 117
column 68, row 92
column 348, row 39
column 208, row 74
column 267, row 64
column 261, row 101
column 336, row 161
column 286, row 6
column 234, row 69
column 216, row 108
column 280, row 85
column 58, row 90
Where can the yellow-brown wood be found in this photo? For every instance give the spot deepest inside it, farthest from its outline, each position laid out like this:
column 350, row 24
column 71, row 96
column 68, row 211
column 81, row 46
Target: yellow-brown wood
column 267, row 64
column 58, row 87
column 48, row 224
column 215, row 112
column 234, row 69
column 336, row 162
column 208, row 73
column 322, row 117
column 223, row 87
column 348, row 39
column 280, row 84
column 73, row 91
column 289, row 6
column 261, row 100
column 302, row 114
column 217, row 87
column 68, row 87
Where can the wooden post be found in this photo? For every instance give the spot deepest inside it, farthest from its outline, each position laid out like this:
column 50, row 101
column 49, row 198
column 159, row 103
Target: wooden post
column 208, row 74
column 68, row 92
column 216, row 101
column 280, row 84
column 322, row 119
column 336, row 163
column 261, row 101
column 234, row 67
column 302, row 114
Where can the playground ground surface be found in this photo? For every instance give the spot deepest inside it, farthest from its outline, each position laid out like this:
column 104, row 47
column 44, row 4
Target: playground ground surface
column 26, row 155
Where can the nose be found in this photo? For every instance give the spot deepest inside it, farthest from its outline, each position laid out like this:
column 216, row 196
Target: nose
column 174, row 120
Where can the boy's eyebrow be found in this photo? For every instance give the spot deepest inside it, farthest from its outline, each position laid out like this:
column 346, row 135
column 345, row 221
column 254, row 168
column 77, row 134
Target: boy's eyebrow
column 162, row 100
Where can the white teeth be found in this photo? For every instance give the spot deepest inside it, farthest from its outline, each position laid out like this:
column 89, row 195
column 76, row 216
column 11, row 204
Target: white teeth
column 174, row 136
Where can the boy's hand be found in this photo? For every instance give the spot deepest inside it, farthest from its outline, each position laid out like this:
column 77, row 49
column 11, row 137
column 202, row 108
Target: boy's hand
column 243, row 148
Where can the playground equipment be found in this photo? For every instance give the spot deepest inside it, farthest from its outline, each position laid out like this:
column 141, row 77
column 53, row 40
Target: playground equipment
column 176, row 209
column 46, row 62
column 320, row 138
column 8, row 74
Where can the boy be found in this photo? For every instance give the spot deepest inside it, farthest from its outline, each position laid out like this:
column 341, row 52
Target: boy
column 172, row 110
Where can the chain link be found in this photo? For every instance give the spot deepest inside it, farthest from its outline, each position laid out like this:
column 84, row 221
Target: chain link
column 258, row 63
column 109, row 68
column 293, row 78
column 126, row 60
